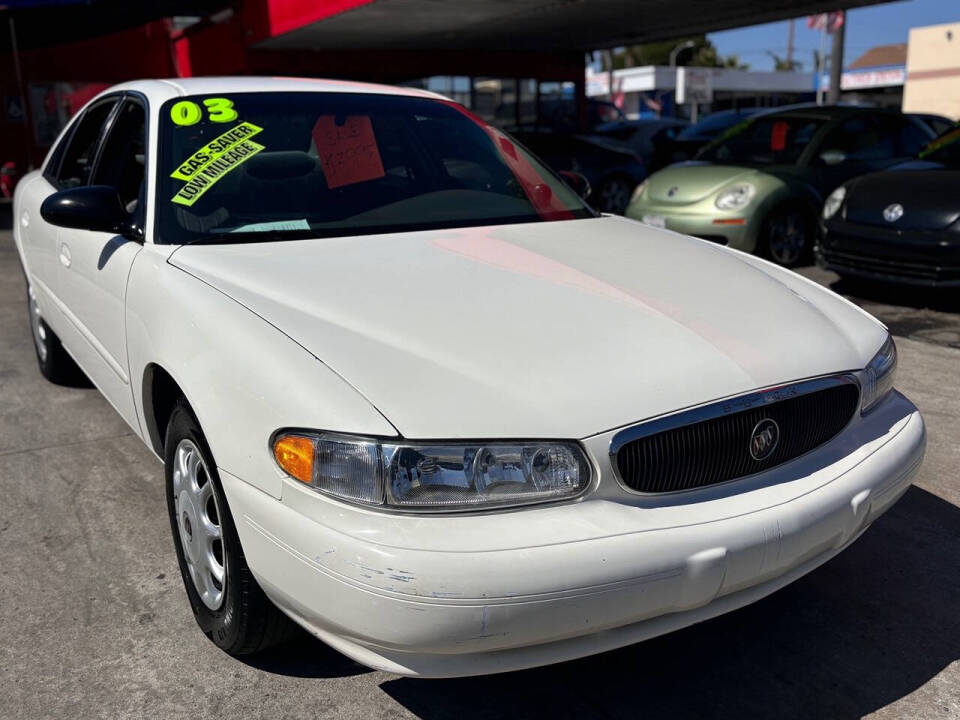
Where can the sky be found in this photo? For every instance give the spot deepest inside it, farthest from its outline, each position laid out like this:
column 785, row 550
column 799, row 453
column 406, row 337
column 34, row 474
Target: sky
column 866, row 27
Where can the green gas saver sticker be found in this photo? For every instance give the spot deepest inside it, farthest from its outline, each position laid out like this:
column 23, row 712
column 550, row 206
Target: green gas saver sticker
column 206, row 166
column 214, row 149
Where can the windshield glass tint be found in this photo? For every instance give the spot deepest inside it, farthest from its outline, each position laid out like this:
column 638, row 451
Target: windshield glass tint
column 712, row 125
column 327, row 164
column 777, row 140
column 945, row 149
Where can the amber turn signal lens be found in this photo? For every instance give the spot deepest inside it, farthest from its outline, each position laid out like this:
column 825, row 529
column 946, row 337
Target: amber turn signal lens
column 294, row 453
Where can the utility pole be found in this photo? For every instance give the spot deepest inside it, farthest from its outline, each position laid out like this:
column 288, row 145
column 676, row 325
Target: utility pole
column 836, row 61
column 22, row 90
column 608, row 55
column 821, row 64
column 790, row 45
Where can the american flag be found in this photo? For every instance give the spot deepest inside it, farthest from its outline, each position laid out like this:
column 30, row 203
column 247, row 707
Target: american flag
column 831, row 21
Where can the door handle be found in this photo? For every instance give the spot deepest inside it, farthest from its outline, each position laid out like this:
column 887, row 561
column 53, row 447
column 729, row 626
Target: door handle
column 65, row 258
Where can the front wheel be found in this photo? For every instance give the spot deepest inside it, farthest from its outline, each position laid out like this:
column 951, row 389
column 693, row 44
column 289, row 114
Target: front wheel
column 613, row 195
column 787, row 237
column 227, row 602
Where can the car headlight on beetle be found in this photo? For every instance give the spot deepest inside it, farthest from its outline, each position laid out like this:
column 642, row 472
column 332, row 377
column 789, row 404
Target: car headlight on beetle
column 433, row 476
column 834, row 202
column 638, row 191
column 735, row 197
column 878, row 375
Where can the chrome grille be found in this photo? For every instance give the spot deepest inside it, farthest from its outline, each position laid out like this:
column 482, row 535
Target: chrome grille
column 712, row 444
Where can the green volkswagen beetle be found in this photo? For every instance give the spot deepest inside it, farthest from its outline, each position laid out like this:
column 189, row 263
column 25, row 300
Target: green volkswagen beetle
column 761, row 185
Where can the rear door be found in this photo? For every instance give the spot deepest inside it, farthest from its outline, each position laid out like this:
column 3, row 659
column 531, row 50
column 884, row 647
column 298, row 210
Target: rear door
column 67, row 166
column 95, row 265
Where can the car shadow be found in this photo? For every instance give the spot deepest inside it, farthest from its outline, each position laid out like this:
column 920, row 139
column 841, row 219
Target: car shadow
column 868, row 628
column 918, row 298
column 304, row 656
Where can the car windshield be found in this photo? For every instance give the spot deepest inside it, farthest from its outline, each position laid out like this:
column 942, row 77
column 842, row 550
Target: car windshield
column 263, row 166
column 771, row 140
column 944, row 150
column 712, row 125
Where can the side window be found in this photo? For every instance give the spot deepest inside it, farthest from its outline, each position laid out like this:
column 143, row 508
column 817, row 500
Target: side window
column 939, row 125
column 121, row 163
column 861, row 139
column 78, row 156
column 56, row 157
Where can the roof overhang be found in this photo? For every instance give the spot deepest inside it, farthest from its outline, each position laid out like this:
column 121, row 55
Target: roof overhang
column 516, row 24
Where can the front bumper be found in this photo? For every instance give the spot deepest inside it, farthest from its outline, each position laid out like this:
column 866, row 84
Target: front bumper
column 700, row 220
column 913, row 257
column 473, row 594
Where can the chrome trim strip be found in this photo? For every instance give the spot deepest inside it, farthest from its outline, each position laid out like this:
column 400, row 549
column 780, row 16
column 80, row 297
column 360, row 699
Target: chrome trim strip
column 723, row 407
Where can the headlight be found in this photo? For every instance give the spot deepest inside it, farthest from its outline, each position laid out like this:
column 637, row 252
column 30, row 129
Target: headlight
column 638, row 191
column 834, row 202
column 878, row 376
column 735, row 197
column 433, row 476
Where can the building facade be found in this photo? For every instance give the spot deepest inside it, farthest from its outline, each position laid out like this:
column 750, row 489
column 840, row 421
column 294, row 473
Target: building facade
column 933, row 71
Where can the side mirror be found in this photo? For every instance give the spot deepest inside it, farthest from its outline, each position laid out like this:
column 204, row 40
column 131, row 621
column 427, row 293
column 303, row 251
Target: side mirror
column 577, row 182
column 832, row 157
column 94, row 207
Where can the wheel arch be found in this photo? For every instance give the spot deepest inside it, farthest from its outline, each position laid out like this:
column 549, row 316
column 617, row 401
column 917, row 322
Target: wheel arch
column 160, row 393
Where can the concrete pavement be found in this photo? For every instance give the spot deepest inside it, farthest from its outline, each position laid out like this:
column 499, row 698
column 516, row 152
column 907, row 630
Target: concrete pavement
column 94, row 621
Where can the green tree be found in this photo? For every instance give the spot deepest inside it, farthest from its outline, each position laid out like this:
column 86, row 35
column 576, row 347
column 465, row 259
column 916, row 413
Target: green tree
column 781, row 65
column 702, row 54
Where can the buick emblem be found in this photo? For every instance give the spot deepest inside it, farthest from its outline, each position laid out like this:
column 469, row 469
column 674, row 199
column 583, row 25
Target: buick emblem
column 764, row 439
column 673, row 191
column 892, row 213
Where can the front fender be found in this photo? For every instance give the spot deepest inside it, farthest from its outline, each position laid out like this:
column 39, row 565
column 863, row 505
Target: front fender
column 243, row 378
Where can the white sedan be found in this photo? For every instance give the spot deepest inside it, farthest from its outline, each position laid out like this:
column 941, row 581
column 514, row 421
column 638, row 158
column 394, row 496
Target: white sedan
column 411, row 392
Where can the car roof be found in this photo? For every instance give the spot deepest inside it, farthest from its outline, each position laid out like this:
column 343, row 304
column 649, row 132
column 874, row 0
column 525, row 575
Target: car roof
column 246, row 84
column 639, row 123
column 828, row 112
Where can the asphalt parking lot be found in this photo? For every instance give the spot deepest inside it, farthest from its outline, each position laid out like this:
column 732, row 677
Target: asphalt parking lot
column 94, row 621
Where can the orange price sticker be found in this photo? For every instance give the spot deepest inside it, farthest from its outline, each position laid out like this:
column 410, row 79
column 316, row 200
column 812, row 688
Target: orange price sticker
column 778, row 136
column 347, row 151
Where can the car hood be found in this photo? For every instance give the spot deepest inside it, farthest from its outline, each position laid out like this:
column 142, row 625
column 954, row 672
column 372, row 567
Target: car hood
column 692, row 181
column 555, row 329
column 928, row 198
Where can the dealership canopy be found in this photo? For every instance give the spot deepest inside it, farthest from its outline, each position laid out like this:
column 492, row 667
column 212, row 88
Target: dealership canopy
column 477, row 24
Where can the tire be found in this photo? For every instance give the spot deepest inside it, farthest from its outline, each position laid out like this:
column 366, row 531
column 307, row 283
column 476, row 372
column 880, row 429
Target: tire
column 55, row 363
column 613, row 195
column 234, row 612
column 787, row 236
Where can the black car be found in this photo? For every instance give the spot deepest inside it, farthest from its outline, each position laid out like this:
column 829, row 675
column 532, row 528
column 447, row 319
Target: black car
column 900, row 225
column 612, row 170
column 647, row 137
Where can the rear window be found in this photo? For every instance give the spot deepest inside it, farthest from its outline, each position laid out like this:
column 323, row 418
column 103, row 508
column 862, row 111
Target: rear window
column 284, row 165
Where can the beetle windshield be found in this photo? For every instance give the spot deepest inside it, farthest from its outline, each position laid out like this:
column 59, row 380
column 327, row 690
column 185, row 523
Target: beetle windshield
column 713, row 125
column 944, row 150
column 267, row 165
column 772, row 140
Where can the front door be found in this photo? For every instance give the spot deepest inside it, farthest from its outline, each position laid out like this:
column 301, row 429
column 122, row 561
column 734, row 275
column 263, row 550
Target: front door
column 95, row 266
